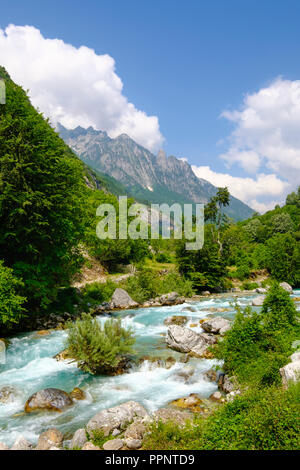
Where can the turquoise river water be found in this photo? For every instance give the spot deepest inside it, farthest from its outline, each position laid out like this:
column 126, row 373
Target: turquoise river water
column 30, row 366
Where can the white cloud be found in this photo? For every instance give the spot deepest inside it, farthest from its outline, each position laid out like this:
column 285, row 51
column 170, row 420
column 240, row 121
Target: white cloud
column 73, row 85
column 247, row 189
column 267, row 131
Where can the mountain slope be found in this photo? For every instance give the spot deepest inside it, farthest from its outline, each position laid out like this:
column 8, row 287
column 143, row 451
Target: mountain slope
column 147, row 177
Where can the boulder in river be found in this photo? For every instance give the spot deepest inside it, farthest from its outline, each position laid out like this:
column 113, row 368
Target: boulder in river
column 176, row 320
column 116, row 418
column 286, row 287
column 77, row 394
column 170, row 299
column 258, row 301
column 261, row 290
column 217, row 325
column 185, row 340
column 7, row 394
column 52, row 399
column 193, row 403
column 121, row 299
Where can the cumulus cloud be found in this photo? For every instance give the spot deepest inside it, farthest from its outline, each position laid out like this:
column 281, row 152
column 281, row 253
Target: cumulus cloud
column 266, row 131
column 74, row 86
column 247, row 189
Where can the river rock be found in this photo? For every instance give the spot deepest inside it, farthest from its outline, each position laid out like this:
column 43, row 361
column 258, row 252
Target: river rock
column 49, row 439
column 211, row 375
column 135, row 431
column 295, row 357
column 3, row 446
column 79, row 439
column 226, row 384
column 169, row 299
column 21, row 444
column 286, row 287
column 290, row 373
column 185, row 340
column 7, row 394
column 90, row 446
column 216, row 396
column 193, row 403
column 261, row 290
column 48, row 398
column 176, row 320
column 258, row 301
column 117, row 417
column 217, row 325
column 121, row 299
column 133, row 444
column 114, row 444
column 77, row 394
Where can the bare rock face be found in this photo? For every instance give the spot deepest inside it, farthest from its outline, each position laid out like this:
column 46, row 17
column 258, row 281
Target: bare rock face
column 185, row 340
column 286, row 287
column 21, row 444
column 290, row 372
column 258, row 301
column 121, row 299
column 117, row 417
column 114, row 444
column 217, row 325
column 49, row 398
column 49, row 439
column 79, row 439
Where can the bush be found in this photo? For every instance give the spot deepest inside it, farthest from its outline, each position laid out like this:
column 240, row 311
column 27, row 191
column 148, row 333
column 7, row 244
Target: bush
column 247, row 285
column 11, row 303
column 99, row 349
column 256, row 420
column 98, row 292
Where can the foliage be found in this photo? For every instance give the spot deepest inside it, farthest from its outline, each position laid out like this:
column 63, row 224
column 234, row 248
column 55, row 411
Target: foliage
column 257, row 420
column 98, row 292
column 99, row 349
column 283, row 258
column 41, row 199
column 11, row 304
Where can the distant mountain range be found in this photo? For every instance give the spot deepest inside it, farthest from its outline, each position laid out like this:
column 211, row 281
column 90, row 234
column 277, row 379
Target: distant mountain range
column 147, row 177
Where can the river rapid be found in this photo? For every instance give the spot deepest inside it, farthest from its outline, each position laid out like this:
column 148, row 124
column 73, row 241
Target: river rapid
column 30, row 366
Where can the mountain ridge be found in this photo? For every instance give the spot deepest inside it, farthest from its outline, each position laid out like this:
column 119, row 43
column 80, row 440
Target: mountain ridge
column 149, row 178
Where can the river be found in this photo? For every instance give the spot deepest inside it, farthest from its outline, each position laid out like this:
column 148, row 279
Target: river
column 30, row 366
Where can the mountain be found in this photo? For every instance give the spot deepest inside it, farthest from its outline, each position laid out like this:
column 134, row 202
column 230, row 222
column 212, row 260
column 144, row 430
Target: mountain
column 147, row 177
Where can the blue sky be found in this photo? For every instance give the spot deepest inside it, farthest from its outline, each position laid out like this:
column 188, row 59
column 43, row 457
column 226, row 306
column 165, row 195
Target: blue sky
column 186, row 62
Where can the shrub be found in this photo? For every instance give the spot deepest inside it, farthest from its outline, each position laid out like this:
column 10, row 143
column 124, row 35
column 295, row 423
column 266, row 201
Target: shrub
column 99, row 349
column 247, row 285
column 97, row 292
column 11, row 303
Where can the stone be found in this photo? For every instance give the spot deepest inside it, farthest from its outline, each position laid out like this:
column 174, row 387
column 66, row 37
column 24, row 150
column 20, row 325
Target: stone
column 176, row 320
column 216, row 396
column 169, row 299
column 205, row 292
column 179, row 417
column 258, row 301
column 135, row 431
column 185, row 374
column 121, row 299
column 217, row 325
column 21, row 444
column 90, row 446
column 193, row 403
column 43, row 332
column 78, row 394
column 117, row 417
column 133, row 444
column 52, row 399
column 7, row 394
column 295, row 357
column 286, row 287
column 50, row 438
column 3, row 446
column 114, row 444
column 226, row 384
column 261, row 290
column 185, row 340
column 290, row 373
column 211, row 375
column 63, row 356
column 79, row 439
